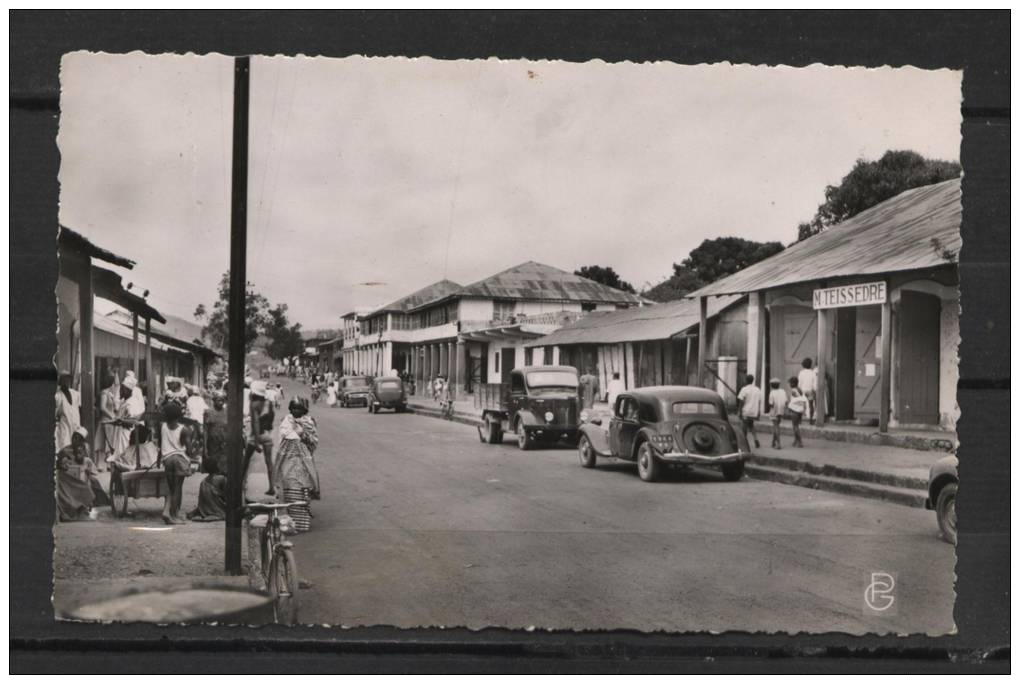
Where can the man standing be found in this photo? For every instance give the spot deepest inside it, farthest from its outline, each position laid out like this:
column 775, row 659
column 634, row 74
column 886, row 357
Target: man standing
column 261, row 431
column 589, row 389
column 749, row 399
column 614, row 389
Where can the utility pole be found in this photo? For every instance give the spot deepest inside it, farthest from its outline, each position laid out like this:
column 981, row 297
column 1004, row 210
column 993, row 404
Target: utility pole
column 236, row 313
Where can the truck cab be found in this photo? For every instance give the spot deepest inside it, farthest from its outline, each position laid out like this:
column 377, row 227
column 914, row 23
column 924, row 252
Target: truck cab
column 537, row 404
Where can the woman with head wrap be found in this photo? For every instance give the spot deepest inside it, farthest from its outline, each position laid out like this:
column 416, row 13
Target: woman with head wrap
column 295, row 475
column 78, row 489
column 68, row 411
column 129, row 413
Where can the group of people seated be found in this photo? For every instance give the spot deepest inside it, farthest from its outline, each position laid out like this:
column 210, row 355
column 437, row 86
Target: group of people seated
column 187, row 435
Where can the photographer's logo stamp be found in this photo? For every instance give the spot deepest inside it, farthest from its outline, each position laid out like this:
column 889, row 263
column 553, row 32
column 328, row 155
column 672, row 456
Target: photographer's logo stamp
column 880, row 594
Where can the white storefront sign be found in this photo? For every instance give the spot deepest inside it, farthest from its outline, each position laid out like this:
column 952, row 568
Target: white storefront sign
column 871, row 293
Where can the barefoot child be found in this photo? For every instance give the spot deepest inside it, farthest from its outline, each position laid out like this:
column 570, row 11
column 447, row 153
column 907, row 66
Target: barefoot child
column 777, row 408
column 175, row 442
column 798, row 406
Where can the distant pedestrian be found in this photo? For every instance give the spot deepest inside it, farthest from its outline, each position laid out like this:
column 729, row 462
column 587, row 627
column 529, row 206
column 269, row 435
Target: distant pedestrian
column 615, row 388
column 750, row 407
column 589, row 389
column 798, row 406
column 807, row 382
column 777, row 408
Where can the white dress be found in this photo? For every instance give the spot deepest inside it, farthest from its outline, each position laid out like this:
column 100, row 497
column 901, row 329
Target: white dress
column 68, row 418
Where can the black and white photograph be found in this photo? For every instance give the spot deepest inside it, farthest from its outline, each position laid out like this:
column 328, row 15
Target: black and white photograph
column 522, row 344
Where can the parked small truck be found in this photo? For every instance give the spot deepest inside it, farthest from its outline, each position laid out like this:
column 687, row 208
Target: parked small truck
column 538, row 404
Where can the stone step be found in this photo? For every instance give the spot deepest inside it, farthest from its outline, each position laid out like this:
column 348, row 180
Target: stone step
column 856, row 488
column 834, row 471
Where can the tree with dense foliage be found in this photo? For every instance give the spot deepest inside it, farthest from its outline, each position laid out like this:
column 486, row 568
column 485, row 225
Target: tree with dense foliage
column 606, row 276
column 284, row 337
column 870, row 183
column 713, row 259
column 256, row 319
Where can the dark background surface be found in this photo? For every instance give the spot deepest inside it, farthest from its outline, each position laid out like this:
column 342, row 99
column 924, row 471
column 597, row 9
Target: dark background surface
column 977, row 42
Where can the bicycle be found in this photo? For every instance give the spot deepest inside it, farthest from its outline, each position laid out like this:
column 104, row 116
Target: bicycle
column 276, row 556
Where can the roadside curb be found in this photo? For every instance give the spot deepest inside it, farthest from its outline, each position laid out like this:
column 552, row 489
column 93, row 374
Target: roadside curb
column 841, row 472
column 459, row 418
column 903, row 496
column 862, row 436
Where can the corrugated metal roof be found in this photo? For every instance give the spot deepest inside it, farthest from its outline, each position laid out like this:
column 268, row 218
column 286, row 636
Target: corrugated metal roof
column 535, row 281
column 916, row 229
column 423, row 296
column 113, row 327
column 654, row 322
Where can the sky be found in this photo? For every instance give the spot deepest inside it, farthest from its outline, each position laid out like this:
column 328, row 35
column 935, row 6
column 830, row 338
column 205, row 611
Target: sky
column 372, row 177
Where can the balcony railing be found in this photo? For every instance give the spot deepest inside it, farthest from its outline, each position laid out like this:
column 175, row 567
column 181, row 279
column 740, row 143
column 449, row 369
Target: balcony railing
column 555, row 319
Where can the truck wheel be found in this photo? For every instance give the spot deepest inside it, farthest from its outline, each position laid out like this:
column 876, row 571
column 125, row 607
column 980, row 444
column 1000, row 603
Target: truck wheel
column 523, row 442
column 945, row 511
column 488, row 431
column 733, row 472
column 647, row 466
column 586, row 453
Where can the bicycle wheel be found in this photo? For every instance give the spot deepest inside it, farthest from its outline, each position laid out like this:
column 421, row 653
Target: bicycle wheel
column 283, row 585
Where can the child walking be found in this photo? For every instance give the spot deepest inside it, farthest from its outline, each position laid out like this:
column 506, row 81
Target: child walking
column 798, row 406
column 750, row 407
column 777, row 408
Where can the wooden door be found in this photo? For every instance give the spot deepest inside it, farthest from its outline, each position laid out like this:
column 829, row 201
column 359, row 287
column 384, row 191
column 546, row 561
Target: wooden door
column 844, row 367
column 797, row 332
column 868, row 362
column 918, row 377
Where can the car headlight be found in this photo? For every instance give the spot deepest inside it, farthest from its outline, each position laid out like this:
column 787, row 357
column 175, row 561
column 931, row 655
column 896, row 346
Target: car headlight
column 549, row 416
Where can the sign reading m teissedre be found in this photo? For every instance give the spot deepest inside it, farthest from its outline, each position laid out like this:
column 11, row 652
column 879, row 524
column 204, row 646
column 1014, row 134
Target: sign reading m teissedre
column 871, row 293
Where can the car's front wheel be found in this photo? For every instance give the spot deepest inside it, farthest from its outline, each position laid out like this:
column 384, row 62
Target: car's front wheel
column 733, row 472
column 586, row 453
column 945, row 511
column 647, row 465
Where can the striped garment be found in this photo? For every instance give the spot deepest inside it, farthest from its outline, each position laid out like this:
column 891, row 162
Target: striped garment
column 302, row 515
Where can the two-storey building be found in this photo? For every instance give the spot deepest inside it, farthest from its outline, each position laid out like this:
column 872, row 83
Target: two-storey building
column 477, row 333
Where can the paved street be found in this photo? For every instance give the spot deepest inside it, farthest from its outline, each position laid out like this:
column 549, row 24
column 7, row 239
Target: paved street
column 421, row 524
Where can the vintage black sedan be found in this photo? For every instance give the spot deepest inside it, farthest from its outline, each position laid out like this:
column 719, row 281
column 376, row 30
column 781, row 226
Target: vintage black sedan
column 387, row 392
column 666, row 426
column 354, row 390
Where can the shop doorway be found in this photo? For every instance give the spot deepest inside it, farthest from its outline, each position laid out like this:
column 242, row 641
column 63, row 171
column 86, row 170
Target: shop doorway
column 846, row 342
column 507, row 362
column 797, row 330
column 868, row 362
column 918, row 377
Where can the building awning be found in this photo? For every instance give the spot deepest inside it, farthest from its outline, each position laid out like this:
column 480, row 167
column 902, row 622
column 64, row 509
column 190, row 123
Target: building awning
column 917, row 229
column 69, row 239
column 106, row 284
column 639, row 324
column 497, row 333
